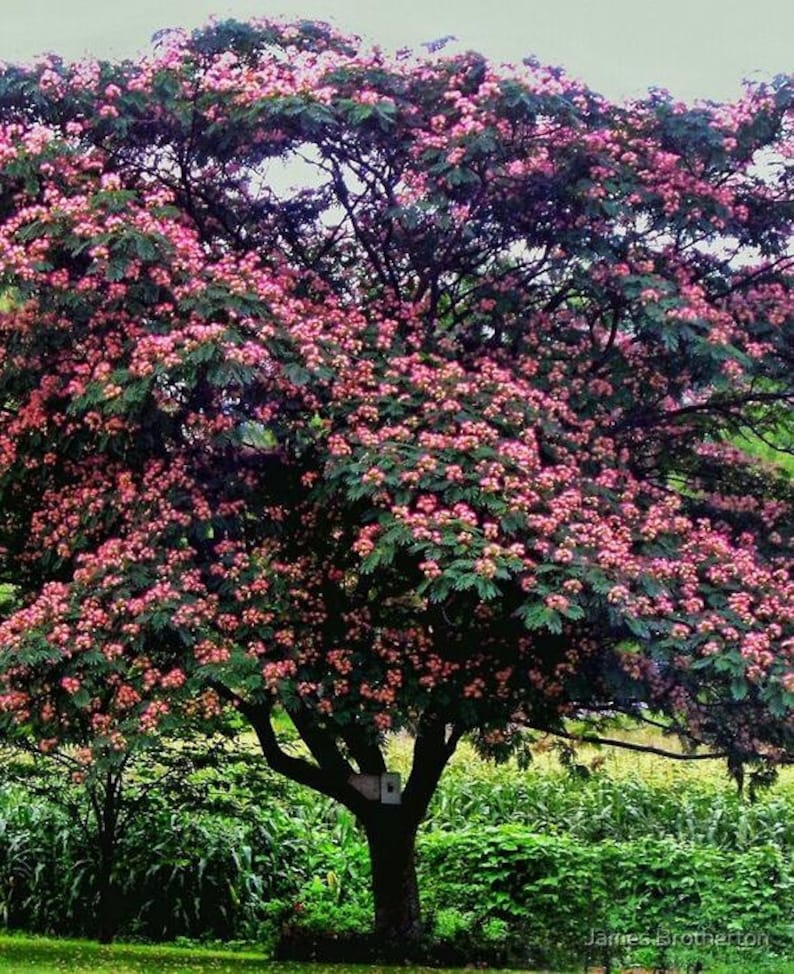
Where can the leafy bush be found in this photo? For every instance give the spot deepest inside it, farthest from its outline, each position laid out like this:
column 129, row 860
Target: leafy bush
column 43, row 871
column 550, row 894
column 320, row 910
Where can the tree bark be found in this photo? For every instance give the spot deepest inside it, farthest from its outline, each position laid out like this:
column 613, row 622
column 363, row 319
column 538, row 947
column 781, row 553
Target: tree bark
column 391, row 837
column 108, row 900
column 107, row 909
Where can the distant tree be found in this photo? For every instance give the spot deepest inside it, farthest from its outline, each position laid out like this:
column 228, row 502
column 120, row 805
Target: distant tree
column 437, row 439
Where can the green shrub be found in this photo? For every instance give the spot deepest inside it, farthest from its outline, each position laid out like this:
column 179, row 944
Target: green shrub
column 44, row 869
column 319, row 909
column 551, row 894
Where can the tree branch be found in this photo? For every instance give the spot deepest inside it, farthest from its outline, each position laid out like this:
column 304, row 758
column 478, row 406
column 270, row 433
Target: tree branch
column 628, row 746
column 320, row 743
column 364, row 751
column 334, row 784
column 432, row 750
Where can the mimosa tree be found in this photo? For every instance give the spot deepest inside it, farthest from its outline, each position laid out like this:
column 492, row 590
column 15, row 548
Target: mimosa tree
column 442, row 438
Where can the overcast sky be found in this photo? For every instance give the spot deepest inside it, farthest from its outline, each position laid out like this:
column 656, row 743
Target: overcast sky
column 696, row 48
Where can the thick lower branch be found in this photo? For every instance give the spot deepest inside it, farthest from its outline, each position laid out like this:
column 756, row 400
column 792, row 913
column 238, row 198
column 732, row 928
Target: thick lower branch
column 320, row 742
column 331, row 775
column 432, row 750
column 364, row 751
column 330, row 782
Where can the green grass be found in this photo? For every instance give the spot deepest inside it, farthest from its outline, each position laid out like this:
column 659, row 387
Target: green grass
column 40, row 955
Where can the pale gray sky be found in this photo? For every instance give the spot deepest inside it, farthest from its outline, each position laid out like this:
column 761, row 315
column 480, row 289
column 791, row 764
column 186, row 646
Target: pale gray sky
column 696, row 48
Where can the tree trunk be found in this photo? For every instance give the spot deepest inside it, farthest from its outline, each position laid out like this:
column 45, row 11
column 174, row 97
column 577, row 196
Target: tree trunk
column 391, row 829
column 107, row 903
column 108, row 900
column 392, row 839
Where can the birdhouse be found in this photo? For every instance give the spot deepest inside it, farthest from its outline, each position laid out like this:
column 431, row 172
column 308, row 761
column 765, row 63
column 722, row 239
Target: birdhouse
column 390, row 793
column 383, row 788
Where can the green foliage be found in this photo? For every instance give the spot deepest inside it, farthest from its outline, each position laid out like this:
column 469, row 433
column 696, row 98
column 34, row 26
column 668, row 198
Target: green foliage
column 177, row 873
column 251, row 857
column 550, row 894
column 319, row 909
column 601, row 806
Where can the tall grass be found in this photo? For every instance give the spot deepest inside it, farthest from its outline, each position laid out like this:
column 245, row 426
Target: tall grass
column 609, row 806
column 618, row 795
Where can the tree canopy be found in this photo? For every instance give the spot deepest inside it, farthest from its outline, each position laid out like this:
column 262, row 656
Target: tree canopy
column 405, row 393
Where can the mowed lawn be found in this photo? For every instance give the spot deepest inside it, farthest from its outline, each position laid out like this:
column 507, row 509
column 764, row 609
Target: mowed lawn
column 39, row 955
column 42, row 956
